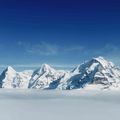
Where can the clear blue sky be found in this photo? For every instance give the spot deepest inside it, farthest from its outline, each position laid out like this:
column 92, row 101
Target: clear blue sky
column 58, row 32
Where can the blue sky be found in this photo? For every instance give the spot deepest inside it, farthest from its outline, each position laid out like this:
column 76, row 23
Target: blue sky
column 60, row 33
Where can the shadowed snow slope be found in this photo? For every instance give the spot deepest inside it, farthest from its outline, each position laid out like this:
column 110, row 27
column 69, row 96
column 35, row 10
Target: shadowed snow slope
column 44, row 76
column 96, row 71
column 12, row 79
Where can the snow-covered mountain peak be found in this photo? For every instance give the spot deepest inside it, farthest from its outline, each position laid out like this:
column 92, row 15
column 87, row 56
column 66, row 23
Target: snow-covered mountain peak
column 10, row 69
column 45, row 68
column 103, row 62
column 92, row 64
column 97, row 71
column 99, row 58
column 7, row 77
column 43, row 77
column 45, row 65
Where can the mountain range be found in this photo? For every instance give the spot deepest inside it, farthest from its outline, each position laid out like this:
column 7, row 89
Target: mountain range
column 95, row 73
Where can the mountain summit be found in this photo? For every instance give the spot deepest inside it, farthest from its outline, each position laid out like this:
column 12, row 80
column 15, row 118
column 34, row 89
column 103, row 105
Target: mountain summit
column 7, row 77
column 45, row 68
column 44, row 76
column 96, row 71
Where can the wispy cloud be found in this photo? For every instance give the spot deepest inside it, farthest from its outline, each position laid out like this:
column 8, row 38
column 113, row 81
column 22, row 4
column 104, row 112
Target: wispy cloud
column 110, row 51
column 46, row 48
column 3, row 66
column 74, row 48
column 43, row 48
column 21, row 67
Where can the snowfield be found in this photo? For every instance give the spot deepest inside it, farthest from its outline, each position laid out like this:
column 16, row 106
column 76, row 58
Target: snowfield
column 86, row 104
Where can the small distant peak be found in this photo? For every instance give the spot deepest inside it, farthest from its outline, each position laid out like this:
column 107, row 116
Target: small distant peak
column 99, row 58
column 45, row 68
column 45, row 65
column 11, row 69
column 105, row 63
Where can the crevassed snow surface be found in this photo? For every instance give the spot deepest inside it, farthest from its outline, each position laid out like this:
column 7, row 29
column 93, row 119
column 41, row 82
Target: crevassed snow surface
column 59, row 105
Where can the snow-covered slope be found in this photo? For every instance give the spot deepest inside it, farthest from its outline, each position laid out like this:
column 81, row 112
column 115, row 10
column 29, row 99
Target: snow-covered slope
column 44, row 76
column 97, row 72
column 12, row 79
column 7, row 77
